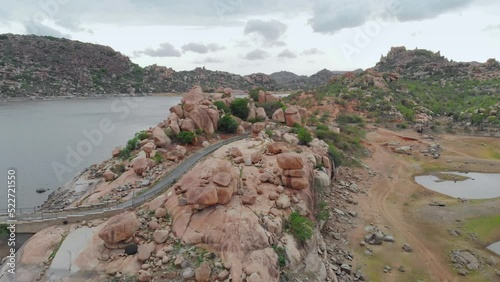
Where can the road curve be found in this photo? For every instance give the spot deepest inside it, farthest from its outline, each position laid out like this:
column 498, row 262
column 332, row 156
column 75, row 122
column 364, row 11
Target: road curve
column 155, row 190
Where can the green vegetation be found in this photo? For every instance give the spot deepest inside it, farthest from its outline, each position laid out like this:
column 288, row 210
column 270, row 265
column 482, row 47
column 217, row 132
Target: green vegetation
column 3, row 230
column 118, row 169
column 300, row 227
column 256, row 119
column 186, row 137
column 269, row 132
column 222, row 106
column 141, row 135
column 322, row 212
column 304, row 136
column 239, row 108
column 228, row 124
column 281, row 252
column 126, row 152
column 322, row 127
column 157, row 158
column 345, row 118
column 347, row 142
column 270, row 108
column 486, row 228
column 254, row 93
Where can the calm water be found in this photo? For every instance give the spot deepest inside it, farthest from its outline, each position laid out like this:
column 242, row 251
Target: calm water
column 495, row 248
column 38, row 136
column 479, row 186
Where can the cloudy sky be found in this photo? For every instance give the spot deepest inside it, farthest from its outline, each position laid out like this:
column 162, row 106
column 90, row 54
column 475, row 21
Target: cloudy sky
column 247, row 36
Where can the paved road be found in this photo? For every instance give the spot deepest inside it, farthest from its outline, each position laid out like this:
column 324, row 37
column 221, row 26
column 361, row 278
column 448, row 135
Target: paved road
column 155, row 190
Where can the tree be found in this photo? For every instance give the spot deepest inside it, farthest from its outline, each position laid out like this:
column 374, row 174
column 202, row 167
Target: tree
column 239, row 108
column 222, row 106
column 228, row 124
column 186, row 137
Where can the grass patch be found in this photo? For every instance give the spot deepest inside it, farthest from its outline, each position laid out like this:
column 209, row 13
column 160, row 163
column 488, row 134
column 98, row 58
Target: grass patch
column 300, row 227
column 486, row 227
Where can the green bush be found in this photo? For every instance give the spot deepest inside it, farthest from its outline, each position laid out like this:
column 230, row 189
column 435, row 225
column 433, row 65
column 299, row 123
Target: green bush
column 158, row 158
column 281, row 252
column 304, row 136
column 239, row 108
column 118, row 169
column 222, row 106
column 322, row 127
column 186, row 137
column 228, row 124
column 300, row 227
column 336, row 155
column 3, row 230
column 126, row 152
column 256, row 119
column 270, row 108
column 322, row 212
column 141, row 135
column 344, row 118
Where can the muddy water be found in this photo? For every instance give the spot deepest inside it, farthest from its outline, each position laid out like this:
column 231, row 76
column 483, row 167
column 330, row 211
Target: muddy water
column 495, row 248
column 479, row 186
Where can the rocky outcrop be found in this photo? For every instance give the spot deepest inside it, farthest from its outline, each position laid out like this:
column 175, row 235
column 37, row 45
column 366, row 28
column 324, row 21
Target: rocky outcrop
column 119, row 228
column 279, row 115
column 160, row 138
column 141, row 165
column 292, row 116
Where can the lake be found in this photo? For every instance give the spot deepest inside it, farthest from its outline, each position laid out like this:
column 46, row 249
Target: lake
column 49, row 142
column 477, row 186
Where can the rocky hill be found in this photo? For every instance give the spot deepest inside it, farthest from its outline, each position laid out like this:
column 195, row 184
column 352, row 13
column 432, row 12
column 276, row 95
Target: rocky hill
column 47, row 66
column 415, row 86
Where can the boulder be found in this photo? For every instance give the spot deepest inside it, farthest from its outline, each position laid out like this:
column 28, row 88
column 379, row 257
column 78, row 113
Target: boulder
column 294, row 172
column 290, row 161
column 175, row 129
column 292, row 116
column 248, row 198
column 222, row 179
column 144, row 276
column 256, row 157
column 119, row 228
column 202, row 273
column 279, row 115
column 291, row 139
column 261, row 113
column 277, row 148
column 160, row 213
column 160, row 138
column 235, row 152
column 148, row 148
column 141, row 165
column 262, row 97
column 193, row 97
column 116, row 151
column 258, row 127
column 202, row 196
column 297, row 183
column 227, row 91
column 160, row 236
column 270, row 98
column 178, row 111
column 240, row 130
column 109, row 175
column 283, row 202
column 144, row 251
column 204, row 118
column 321, row 179
column 187, row 125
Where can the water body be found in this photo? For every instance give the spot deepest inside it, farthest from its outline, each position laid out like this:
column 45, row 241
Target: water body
column 495, row 248
column 38, row 136
column 478, row 186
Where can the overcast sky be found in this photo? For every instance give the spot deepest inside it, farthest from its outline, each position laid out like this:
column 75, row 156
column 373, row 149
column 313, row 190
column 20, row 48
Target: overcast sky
column 247, row 36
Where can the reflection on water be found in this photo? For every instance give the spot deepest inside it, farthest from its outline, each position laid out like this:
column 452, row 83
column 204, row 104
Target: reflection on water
column 478, row 186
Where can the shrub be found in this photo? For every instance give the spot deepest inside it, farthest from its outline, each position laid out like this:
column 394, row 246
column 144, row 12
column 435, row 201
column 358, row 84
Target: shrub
column 349, row 119
column 132, row 144
column 300, row 227
column 141, row 135
column 158, row 158
column 323, row 213
column 304, row 136
column 336, row 155
column 269, row 132
column 222, row 106
column 270, row 108
column 228, row 124
column 125, row 154
column 239, row 108
column 322, row 127
column 186, row 137
column 118, row 169
column 281, row 252
column 256, row 119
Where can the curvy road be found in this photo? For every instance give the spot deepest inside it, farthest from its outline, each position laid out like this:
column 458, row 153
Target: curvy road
column 158, row 188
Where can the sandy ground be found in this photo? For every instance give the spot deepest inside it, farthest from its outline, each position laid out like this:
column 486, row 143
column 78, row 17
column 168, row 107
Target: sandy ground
column 399, row 206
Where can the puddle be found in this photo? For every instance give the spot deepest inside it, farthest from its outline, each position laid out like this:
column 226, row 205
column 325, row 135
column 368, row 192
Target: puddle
column 471, row 185
column 495, row 248
column 63, row 264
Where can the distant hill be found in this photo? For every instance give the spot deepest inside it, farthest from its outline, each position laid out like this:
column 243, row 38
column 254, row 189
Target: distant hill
column 47, row 66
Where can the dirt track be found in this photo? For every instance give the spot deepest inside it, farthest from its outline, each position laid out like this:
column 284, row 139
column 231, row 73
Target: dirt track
column 393, row 202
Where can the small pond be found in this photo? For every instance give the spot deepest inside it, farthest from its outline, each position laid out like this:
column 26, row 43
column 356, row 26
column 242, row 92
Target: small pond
column 471, row 185
column 495, row 248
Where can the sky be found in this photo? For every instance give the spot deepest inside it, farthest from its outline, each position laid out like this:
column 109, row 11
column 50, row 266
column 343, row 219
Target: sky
column 249, row 36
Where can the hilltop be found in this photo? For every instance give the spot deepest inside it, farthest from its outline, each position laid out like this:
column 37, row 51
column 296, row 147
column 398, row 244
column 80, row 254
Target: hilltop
column 49, row 66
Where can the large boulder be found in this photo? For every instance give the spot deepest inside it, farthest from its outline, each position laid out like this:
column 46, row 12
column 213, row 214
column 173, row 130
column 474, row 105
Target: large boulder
column 261, row 113
column 119, row 228
column 290, row 161
column 193, row 97
column 178, row 111
column 187, row 125
column 141, row 165
column 160, row 138
column 297, row 183
column 204, row 118
column 262, row 97
column 292, row 116
column 277, row 148
column 222, row 179
column 258, row 127
column 279, row 115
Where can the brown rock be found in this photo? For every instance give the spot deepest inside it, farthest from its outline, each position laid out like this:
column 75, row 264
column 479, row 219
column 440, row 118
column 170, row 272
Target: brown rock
column 144, row 251
column 160, row 138
column 294, row 172
column 193, row 97
column 228, row 91
column 119, row 228
column 224, row 195
column 262, row 97
column 240, row 130
column 202, row 273
column 149, row 147
column 141, row 165
column 202, row 196
column 254, row 277
column 238, row 160
column 175, row 129
column 295, row 183
column 249, row 198
column 160, row 213
column 258, row 127
column 144, row 276
column 116, row 151
column 292, row 116
column 222, row 179
column 160, row 236
column 279, row 115
column 261, row 113
column 270, row 98
column 109, row 175
column 203, row 117
column 290, row 161
column 256, row 157
column 187, row 125
column 235, row 152
column 178, row 111
column 277, row 148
